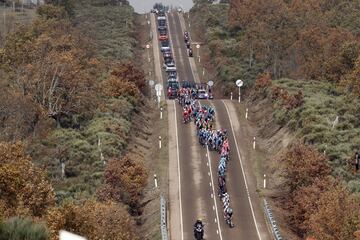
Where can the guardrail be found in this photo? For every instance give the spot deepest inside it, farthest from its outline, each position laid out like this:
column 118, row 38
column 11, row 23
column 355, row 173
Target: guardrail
column 274, row 227
column 163, row 219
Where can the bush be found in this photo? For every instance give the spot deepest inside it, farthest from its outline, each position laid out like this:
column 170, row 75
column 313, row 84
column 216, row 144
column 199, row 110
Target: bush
column 23, row 229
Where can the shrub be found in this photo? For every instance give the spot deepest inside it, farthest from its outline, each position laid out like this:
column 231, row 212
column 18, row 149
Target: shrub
column 22, row 229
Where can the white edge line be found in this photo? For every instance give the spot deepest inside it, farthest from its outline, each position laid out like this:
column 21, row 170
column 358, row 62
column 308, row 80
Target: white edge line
column 211, row 176
column 178, row 161
column 242, row 169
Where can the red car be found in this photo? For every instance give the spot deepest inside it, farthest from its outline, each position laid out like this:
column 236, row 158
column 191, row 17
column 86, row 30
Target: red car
column 163, row 38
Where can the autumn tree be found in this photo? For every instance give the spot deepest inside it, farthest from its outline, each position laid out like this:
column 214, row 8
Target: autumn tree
column 337, row 215
column 93, row 220
column 303, row 164
column 24, row 187
column 48, row 63
column 125, row 180
column 129, row 72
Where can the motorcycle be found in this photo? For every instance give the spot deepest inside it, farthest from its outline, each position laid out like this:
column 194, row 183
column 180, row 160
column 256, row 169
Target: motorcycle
column 199, row 232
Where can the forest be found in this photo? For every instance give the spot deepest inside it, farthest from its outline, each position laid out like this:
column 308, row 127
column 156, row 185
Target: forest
column 302, row 57
column 69, row 91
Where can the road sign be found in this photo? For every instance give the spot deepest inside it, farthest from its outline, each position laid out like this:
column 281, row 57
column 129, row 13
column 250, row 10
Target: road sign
column 239, row 83
column 197, row 46
column 147, row 46
column 151, row 82
column 158, row 87
column 211, row 83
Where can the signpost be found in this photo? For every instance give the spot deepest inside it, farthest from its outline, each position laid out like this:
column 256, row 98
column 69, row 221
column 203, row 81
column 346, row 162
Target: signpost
column 158, row 88
column 239, row 83
column 198, row 50
column 210, row 83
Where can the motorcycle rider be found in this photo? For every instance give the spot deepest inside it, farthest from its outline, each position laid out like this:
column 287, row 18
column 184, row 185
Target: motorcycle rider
column 228, row 216
column 199, row 230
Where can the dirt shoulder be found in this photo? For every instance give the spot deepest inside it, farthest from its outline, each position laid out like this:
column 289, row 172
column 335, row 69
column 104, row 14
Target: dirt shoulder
column 147, row 144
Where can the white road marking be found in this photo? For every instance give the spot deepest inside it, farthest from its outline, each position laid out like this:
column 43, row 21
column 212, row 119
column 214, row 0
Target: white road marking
column 242, row 169
column 179, row 172
column 211, row 176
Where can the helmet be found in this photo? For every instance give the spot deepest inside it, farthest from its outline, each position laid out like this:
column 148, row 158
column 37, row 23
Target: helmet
column 229, row 211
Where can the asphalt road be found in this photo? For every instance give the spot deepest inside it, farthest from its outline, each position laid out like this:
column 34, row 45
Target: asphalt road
column 193, row 186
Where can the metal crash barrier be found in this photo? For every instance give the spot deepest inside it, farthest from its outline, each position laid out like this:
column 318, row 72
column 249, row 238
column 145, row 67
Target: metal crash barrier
column 274, row 227
column 163, row 219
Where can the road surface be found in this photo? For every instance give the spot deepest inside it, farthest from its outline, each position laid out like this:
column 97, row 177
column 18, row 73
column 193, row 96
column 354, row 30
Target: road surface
column 193, row 169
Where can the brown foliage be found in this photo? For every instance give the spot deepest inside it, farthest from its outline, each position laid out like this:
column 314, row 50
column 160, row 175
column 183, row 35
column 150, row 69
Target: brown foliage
column 24, row 188
column 263, row 81
column 92, row 219
column 125, row 180
column 288, row 101
column 117, row 87
column 129, row 72
column 48, row 63
column 303, row 164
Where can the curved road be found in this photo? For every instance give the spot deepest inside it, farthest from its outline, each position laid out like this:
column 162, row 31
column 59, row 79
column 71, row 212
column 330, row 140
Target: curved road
column 193, row 169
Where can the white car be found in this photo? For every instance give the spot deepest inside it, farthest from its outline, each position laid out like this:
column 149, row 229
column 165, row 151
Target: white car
column 170, row 69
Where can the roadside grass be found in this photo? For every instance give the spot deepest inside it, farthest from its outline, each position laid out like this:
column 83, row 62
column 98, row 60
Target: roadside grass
column 111, row 27
column 313, row 122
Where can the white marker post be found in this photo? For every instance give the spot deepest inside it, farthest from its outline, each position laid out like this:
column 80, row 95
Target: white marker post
column 239, row 84
column 247, row 113
column 158, row 88
column 203, row 71
column 264, row 181
column 155, row 181
column 151, row 83
column 254, row 144
column 161, row 113
column 147, row 47
column 231, row 96
column 159, row 142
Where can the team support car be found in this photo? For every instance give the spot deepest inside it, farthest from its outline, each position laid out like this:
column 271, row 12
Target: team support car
column 172, row 89
column 202, row 94
column 169, row 64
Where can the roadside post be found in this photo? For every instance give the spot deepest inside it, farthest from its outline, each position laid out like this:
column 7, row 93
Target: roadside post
column 239, row 83
column 231, row 96
column 198, row 50
column 210, row 84
column 151, row 83
column 159, row 142
column 155, row 181
column 247, row 113
column 148, row 55
column 158, row 88
column 161, row 113
column 264, row 181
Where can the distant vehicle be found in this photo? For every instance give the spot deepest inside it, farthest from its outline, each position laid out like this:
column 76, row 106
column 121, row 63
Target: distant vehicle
column 172, row 80
column 161, row 21
column 169, row 64
column 163, row 38
column 172, row 74
column 190, row 52
column 188, row 44
column 170, row 69
column 164, row 27
column 202, row 94
column 187, row 84
column 172, row 89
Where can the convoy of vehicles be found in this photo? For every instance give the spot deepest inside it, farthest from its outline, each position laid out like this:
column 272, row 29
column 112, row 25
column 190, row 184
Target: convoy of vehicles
column 201, row 91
